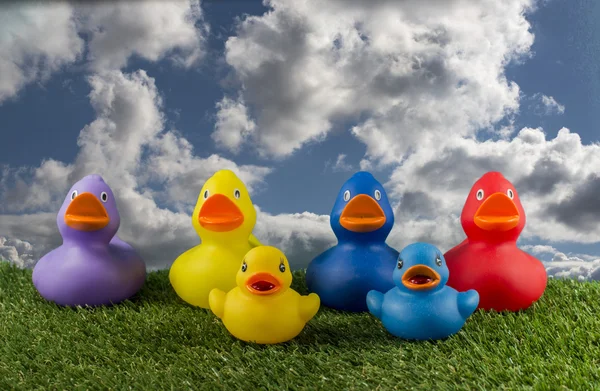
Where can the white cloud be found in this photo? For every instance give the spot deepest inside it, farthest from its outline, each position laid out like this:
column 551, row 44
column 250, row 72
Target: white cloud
column 233, row 127
column 545, row 105
column 564, row 266
column 416, row 70
column 547, row 173
column 150, row 29
column 17, row 251
column 37, row 40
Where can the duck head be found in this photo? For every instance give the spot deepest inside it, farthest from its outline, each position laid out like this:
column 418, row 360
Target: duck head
column 224, row 209
column 264, row 271
column 421, row 267
column 89, row 211
column 493, row 210
column 362, row 210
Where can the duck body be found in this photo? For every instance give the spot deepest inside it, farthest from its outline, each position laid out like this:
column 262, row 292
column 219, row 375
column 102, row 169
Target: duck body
column 75, row 275
column 262, row 308
column 507, row 278
column 223, row 218
column 344, row 274
column 93, row 266
column 421, row 306
column 205, row 267
column 361, row 219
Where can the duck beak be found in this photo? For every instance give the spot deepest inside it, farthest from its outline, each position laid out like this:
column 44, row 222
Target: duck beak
column 420, row 277
column 362, row 214
column 220, row 214
column 497, row 213
column 86, row 213
column 263, row 284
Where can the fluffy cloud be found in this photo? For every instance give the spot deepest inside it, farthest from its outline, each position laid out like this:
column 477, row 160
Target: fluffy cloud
column 40, row 39
column 556, row 180
column 564, row 266
column 17, row 251
column 415, row 70
column 37, row 40
column 545, row 105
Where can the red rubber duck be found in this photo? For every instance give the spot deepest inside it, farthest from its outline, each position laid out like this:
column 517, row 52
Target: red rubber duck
column 506, row 278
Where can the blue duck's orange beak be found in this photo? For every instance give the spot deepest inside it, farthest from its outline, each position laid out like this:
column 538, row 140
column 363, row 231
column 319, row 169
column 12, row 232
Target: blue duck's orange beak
column 263, row 284
column 420, row 277
column 497, row 213
column 86, row 213
column 220, row 214
column 362, row 214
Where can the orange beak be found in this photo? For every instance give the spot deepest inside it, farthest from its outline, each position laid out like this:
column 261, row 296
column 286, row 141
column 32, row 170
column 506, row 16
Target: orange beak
column 362, row 214
column 86, row 213
column 220, row 214
column 497, row 213
column 263, row 284
column 420, row 277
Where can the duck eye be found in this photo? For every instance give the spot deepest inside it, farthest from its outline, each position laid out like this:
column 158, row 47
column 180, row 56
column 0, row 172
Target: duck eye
column 510, row 193
column 282, row 266
column 346, row 195
column 479, row 194
column 244, row 266
column 74, row 194
column 104, row 196
column 205, row 194
column 438, row 260
column 377, row 195
column 400, row 263
column 236, row 193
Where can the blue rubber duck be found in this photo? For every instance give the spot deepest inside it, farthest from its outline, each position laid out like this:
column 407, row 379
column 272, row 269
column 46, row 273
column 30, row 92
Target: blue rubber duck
column 361, row 219
column 421, row 306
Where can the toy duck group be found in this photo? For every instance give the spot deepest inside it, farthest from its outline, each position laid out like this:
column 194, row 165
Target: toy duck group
column 418, row 293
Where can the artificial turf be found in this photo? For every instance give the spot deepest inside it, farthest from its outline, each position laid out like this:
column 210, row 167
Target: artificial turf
column 156, row 341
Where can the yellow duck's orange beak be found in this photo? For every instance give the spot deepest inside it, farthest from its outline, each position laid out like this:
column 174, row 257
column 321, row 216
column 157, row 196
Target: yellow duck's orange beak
column 86, row 213
column 497, row 213
column 263, row 284
column 362, row 214
column 420, row 277
column 220, row 214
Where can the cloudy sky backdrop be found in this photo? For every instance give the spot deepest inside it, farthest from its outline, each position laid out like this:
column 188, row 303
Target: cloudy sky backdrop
column 295, row 96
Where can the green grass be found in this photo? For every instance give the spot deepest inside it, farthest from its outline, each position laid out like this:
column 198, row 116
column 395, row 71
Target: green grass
column 155, row 341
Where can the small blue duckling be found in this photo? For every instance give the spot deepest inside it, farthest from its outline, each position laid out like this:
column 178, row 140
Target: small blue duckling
column 361, row 219
column 421, row 306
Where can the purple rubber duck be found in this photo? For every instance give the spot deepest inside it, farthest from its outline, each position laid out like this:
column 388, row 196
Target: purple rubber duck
column 93, row 266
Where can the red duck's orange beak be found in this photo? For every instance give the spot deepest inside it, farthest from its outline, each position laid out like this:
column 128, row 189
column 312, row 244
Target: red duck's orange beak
column 263, row 284
column 86, row 213
column 362, row 214
column 497, row 213
column 220, row 214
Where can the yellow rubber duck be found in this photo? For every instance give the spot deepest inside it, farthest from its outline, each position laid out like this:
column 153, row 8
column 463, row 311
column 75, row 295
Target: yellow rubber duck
column 223, row 218
column 263, row 308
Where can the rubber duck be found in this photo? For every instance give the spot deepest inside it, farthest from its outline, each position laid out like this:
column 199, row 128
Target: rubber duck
column 421, row 306
column 224, row 218
column 361, row 219
column 488, row 260
column 262, row 308
column 93, row 266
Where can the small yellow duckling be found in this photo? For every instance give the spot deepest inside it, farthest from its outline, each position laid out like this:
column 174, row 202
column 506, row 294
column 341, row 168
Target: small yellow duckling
column 263, row 308
column 224, row 218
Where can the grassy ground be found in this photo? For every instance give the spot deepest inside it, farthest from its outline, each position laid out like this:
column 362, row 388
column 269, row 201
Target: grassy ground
column 155, row 341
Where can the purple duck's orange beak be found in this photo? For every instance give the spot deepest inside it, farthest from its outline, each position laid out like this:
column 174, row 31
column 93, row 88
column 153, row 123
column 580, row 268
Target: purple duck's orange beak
column 362, row 214
column 86, row 213
column 497, row 213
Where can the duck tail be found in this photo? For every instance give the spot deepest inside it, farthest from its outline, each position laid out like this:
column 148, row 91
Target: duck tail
column 216, row 301
column 375, row 302
column 309, row 306
column 468, row 302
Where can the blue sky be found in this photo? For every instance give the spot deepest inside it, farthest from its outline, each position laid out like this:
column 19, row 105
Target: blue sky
column 555, row 47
